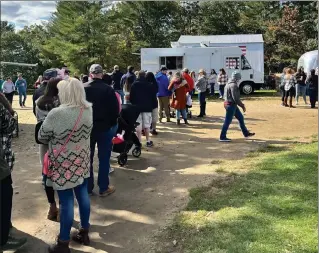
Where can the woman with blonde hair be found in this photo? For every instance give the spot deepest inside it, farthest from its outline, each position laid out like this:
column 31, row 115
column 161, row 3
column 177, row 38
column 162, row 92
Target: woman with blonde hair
column 66, row 129
column 290, row 83
column 38, row 82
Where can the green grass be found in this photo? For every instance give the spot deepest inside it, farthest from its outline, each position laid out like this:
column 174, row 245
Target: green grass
column 271, row 208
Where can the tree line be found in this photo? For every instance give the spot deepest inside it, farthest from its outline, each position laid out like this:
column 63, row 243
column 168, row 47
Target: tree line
column 112, row 33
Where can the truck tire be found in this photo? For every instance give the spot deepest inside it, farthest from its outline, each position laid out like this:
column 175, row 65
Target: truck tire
column 247, row 88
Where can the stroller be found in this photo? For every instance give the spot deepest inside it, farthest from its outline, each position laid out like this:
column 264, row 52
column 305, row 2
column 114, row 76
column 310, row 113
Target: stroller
column 127, row 122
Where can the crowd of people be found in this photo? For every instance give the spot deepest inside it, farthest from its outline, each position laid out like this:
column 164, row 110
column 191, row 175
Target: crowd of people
column 76, row 114
column 295, row 84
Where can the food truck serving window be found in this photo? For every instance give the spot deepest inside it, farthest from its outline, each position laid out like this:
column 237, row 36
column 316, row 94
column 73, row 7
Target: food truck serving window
column 172, row 62
column 232, row 63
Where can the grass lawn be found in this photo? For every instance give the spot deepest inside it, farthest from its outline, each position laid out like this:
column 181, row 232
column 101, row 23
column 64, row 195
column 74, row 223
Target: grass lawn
column 265, row 203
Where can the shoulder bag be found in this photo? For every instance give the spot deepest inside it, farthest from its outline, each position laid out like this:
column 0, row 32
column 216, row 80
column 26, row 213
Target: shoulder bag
column 46, row 159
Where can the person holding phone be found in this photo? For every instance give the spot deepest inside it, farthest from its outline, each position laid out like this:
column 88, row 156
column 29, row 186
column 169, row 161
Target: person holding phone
column 232, row 101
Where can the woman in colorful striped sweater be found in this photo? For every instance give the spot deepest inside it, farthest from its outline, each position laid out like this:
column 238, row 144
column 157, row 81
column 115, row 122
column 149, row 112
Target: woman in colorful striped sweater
column 67, row 131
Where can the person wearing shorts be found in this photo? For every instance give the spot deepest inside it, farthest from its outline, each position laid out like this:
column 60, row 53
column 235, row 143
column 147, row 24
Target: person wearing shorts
column 140, row 97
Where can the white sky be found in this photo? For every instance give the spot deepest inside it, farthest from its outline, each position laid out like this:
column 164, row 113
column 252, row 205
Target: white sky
column 22, row 13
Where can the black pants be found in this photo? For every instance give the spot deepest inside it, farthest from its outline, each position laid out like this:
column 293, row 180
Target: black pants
column 6, row 193
column 290, row 93
column 9, row 96
column 313, row 97
column 49, row 191
column 282, row 90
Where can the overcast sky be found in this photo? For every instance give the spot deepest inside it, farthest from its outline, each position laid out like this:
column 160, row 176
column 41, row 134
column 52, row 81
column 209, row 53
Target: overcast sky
column 22, row 13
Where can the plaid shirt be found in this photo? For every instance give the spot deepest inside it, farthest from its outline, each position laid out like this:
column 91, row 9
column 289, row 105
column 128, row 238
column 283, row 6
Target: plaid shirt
column 7, row 126
column 222, row 79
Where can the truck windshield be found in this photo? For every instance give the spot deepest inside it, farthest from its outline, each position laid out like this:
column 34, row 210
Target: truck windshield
column 244, row 63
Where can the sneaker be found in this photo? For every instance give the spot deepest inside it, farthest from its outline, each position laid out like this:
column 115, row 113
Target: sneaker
column 111, row 170
column 220, row 97
column 154, row 132
column 149, row 144
column 225, row 140
column 13, row 244
column 200, row 116
column 108, row 192
column 250, row 135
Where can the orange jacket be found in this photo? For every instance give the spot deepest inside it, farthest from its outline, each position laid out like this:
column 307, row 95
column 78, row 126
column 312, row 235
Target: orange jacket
column 190, row 81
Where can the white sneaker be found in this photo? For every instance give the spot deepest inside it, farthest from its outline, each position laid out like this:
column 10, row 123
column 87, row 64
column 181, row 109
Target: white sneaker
column 111, row 170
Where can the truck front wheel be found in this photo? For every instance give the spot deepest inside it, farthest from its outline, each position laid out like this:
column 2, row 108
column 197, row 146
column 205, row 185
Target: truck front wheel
column 247, row 88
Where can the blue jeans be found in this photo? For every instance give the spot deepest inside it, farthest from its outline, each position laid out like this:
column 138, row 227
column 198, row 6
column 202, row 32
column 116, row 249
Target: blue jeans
column 301, row 91
column 179, row 112
column 24, row 94
column 221, row 90
column 231, row 111
column 104, row 145
column 67, row 209
column 212, row 89
column 121, row 92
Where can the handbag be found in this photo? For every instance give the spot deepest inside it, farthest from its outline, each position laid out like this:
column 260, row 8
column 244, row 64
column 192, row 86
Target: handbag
column 46, row 159
column 36, row 132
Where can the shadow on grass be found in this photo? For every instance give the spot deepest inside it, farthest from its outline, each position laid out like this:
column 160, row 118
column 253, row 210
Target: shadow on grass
column 264, row 210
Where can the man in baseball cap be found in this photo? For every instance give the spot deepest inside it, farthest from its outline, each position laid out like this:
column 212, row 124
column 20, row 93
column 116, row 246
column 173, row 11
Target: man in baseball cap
column 105, row 114
column 96, row 69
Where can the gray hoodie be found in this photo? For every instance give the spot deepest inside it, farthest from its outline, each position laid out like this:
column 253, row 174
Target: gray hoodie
column 232, row 93
column 201, row 84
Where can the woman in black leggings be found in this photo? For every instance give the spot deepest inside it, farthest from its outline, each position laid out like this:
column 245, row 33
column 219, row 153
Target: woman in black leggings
column 44, row 105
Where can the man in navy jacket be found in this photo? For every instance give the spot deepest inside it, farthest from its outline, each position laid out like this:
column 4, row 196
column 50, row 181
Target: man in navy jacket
column 105, row 115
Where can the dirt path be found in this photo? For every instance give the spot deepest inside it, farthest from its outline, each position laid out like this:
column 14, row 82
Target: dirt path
column 150, row 189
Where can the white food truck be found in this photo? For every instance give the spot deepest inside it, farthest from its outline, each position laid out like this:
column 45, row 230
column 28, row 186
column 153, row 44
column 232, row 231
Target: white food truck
column 195, row 58
column 309, row 61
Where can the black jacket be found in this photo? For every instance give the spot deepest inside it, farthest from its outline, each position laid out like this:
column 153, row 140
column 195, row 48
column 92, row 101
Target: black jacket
column 38, row 93
column 142, row 95
column 105, row 105
column 116, row 80
column 154, row 94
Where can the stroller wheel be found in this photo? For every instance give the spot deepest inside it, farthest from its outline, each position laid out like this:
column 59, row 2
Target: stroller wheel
column 122, row 159
column 136, row 152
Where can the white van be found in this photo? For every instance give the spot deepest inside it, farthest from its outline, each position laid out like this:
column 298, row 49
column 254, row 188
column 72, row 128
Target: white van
column 229, row 58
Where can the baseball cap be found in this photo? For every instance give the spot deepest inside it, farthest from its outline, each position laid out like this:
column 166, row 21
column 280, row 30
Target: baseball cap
column 116, row 67
column 49, row 73
column 186, row 70
column 163, row 68
column 96, row 69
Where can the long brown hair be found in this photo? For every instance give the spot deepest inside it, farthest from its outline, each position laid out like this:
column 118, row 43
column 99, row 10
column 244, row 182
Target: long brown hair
column 128, row 83
column 50, row 94
column 289, row 72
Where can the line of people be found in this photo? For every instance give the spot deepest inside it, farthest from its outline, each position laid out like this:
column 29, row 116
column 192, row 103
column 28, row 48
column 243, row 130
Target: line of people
column 73, row 117
column 294, row 85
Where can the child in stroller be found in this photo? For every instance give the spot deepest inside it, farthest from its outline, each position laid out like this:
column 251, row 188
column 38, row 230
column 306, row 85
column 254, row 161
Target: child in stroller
column 126, row 129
